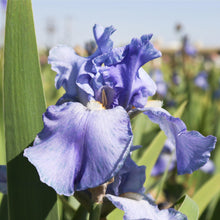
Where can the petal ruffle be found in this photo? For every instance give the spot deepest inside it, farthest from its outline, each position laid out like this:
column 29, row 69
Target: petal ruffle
column 192, row 148
column 130, row 178
column 80, row 148
column 102, row 37
column 66, row 63
column 124, row 75
column 143, row 209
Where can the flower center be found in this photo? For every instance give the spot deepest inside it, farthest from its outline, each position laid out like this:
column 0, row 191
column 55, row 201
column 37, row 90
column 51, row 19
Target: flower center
column 95, row 105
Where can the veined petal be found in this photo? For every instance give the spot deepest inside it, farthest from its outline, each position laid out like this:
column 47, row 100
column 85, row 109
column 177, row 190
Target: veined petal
column 143, row 209
column 142, row 87
column 130, row 178
column 3, row 179
column 66, row 63
column 80, row 148
column 192, row 148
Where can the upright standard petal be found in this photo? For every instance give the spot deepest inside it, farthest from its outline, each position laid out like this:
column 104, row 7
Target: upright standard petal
column 124, row 75
column 80, row 148
column 143, row 209
column 102, row 37
column 192, row 148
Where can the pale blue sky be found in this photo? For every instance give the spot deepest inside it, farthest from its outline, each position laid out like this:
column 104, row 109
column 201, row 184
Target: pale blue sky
column 74, row 19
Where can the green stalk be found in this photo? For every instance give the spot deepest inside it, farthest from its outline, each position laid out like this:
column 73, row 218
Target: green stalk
column 96, row 211
column 164, row 177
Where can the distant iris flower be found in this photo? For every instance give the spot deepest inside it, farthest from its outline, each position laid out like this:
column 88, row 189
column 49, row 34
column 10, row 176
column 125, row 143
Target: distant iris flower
column 201, row 80
column 176, row 78
column 87, row 137
column 3, row 179
column 188, row 48
column 162, row 87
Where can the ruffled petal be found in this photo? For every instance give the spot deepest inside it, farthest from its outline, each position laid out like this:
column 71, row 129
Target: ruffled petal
column 3, row 179
column 80, row 148
column 124, row 75
column 143, row 209
column 192, row 148
column 130, row 178
column 102, row 37
column 66, row 63
column 142, row 87
column 111, row 58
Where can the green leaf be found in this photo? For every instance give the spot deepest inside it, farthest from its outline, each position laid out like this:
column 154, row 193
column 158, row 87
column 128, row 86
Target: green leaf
column 207, row 192
column 188, row 207
column 180, row 110
column 151, row 154
column 149, row 157
column 116, row 214
column 24, row 103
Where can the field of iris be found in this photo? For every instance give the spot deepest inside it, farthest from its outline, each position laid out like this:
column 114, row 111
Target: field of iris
column 188, row 84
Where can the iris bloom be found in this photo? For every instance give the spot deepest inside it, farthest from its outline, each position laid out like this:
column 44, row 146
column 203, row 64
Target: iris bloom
column 201, row 80
column 162, row 87
column 167, row 159
column 87, row 135
column 188, row 48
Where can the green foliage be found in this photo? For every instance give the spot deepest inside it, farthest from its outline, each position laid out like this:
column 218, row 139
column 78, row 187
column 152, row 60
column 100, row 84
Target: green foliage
column 28, row 197
column 207, row 192
column 188, row 207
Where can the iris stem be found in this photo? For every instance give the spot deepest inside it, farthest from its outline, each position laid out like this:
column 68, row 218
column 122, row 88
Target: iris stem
column 96, row 211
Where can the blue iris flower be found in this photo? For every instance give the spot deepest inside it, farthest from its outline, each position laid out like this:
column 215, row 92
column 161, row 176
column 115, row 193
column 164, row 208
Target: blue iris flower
column 167, row 159
column 188, row 48
column 201, row 80
column 162, row 86
column 87, row 137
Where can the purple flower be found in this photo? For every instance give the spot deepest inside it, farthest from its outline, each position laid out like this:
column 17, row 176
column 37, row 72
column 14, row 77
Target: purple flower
column 4, row 4
column 130, row 178
column 3, row 179
column 168, row 158
column 192, row 148
column 136, row 206
column 188, row 48
column 201, row 80
column 87, row 136
column 176, row 78
column 162, row 87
